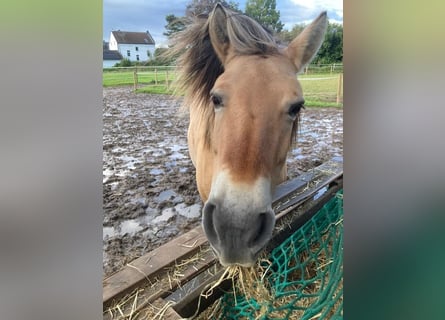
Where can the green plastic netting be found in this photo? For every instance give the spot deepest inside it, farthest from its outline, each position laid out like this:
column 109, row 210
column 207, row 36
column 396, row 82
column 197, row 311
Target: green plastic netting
column 305, row 275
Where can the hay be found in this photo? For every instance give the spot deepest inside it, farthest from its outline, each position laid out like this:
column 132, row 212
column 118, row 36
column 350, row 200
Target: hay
column 250, row 283
column 137, row 304
column 272, row 289
column 303, row 279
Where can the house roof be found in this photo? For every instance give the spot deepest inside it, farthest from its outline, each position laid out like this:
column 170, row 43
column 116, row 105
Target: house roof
column 112, row 55
column 126, row 37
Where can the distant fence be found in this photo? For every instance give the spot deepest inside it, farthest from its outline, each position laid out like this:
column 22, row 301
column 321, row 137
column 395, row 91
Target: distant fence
column 140, row 76
column 321, row 83
column 332, row 68
column 322, row 87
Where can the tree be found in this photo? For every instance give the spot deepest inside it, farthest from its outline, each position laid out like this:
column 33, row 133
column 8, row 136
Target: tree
column 194, row 8
column 331, row 49
column 287, row 36
column 265, row 12
column 204, row 7
column 174, row 24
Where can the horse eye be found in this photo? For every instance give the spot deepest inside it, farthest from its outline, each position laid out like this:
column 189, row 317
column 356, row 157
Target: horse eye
column 216, row 100
column 295, row 109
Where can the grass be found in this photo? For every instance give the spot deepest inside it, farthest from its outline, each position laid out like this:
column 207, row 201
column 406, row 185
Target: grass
column 320, row 90
column 320, row 104
column 156, row 89
column 123, row 78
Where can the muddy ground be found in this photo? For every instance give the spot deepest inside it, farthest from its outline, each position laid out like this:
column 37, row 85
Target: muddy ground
column 149, row 189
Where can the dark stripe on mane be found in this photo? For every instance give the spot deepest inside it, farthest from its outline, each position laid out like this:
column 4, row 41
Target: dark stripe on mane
column 198, row 64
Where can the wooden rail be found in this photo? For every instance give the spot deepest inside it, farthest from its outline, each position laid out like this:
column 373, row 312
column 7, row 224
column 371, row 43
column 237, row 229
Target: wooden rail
column 176, row 272
column 193, row 302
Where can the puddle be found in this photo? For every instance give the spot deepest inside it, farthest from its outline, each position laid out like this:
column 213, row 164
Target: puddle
column 158, row 153
column 166, row 215
column 142, row 201
column 118, row 149
column 150, row 214
column 127, row 226
column 190, row 212
column 168, row 195
column 176, row 148
column 130, row 227
column 129, row 161
column 156, row 171
column 113, row 185
column 170, row 164
column 177, row 156
column 108, row 232
column 147, row 124
column 122, row 173
column 107, row 173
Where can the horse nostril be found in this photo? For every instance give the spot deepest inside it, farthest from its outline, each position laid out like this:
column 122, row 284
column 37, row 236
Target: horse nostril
column 236, row 238
column 260, row 228
column 208, row 222
column 262, row 231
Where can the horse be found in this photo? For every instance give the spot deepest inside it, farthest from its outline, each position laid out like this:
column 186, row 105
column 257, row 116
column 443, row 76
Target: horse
column 243, row 98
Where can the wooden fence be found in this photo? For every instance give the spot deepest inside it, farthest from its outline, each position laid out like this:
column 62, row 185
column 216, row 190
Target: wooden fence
column 321, row 83
column 153, row 76
column 173, row 277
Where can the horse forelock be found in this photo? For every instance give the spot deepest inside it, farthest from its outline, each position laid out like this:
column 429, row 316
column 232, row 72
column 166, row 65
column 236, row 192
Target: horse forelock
column 199, row 66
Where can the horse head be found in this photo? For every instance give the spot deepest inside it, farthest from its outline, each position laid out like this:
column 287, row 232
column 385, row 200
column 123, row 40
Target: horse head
column 244, row 101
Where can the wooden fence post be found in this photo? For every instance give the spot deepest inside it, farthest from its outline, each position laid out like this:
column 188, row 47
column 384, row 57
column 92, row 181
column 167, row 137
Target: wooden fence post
column 167, row 79
column 156, row 76
column 135, row 78
column 339, row 87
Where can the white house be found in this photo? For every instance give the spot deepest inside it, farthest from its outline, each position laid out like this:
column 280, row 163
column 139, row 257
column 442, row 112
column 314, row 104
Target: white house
column 134, row 46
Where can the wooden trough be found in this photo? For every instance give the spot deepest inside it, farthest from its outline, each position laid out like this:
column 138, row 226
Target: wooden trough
column 168, row 281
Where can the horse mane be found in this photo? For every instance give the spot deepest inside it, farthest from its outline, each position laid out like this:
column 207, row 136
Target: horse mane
column 198, row 64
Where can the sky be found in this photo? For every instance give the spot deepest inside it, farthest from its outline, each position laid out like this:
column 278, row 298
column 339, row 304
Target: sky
column 143, row 15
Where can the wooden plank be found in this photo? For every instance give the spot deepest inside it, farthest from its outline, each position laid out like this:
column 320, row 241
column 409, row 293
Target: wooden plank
column 195, row 279
column 288, row 187
column 333, row 166
column 187, row 306
column 194, row 303
column 303, row 195
column 173, row 277
column 303, row 213
column 192, row 270
column 149, row 265
column 169, row 313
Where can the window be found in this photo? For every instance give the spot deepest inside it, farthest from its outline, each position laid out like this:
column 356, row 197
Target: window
column 128, row 53
column 137, row 57
column 137, row 49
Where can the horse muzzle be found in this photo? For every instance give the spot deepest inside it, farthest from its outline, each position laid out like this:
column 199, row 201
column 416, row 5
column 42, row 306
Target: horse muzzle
column 237, row 237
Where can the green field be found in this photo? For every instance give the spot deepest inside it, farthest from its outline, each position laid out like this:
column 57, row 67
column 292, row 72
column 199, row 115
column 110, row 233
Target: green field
column 145, row 77
column 320, row 90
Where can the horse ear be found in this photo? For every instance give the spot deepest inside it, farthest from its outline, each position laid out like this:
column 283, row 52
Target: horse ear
column 218, row 32
column 304, row 47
